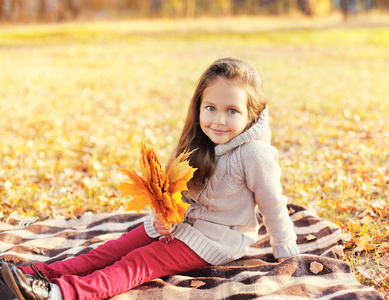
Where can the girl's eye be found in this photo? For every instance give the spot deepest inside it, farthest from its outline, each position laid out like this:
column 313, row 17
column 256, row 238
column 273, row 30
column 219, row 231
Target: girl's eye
column 232, row 111
column 210, row 108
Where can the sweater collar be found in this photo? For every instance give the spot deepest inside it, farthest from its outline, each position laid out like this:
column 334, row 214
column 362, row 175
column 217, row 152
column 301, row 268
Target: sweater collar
column 256, row 132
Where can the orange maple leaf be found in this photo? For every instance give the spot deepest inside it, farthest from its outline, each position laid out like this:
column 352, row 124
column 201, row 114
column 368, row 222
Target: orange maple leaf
column 157, row 187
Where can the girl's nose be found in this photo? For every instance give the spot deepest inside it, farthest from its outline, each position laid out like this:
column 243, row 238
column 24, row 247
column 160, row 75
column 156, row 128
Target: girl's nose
column 219, row 120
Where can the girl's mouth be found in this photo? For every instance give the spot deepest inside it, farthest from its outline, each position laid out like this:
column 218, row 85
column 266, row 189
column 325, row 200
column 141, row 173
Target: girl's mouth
column 218, row 132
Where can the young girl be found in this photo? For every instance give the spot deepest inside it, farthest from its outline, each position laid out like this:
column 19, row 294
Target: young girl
column 237, row 175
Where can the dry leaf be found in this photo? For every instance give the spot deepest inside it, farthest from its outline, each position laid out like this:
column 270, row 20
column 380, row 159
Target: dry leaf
column 310, row 237
column 298, row 217
column 383, row 248
column 197, row 283
column 36, row 250
column 157, row 187
column 384, row 260
column 365, row 243
column 316, row 267
column 368, row 273
column 346, row 237
column 360, row 246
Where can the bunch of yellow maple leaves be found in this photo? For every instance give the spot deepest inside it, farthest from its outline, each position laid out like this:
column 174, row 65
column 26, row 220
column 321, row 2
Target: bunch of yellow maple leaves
column 158, row 187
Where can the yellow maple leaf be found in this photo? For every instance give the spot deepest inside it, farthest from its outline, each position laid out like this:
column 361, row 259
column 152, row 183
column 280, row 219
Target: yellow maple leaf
column 157, row 187
column 136, row 187
column 179, row 172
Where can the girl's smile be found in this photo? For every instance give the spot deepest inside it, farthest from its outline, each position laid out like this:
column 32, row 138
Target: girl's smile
column 223, row 111
column 218, row 132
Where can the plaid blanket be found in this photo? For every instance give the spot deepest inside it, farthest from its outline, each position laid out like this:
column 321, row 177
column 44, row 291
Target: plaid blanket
column 318, row 273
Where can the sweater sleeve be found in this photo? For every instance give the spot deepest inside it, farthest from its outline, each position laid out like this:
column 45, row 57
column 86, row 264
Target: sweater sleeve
column 149, row 226
column 263, row 179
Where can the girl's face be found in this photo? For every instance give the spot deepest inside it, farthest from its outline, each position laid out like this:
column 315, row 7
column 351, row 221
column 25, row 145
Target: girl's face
column 223, row 111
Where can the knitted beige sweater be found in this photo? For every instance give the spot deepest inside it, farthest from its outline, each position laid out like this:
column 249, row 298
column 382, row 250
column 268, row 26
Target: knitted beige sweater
column 221, row 222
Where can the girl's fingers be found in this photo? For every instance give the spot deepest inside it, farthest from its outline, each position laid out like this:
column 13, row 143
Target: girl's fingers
column 160, row 227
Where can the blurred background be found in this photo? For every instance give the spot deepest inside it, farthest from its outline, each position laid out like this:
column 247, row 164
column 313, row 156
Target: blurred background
column 58, row 10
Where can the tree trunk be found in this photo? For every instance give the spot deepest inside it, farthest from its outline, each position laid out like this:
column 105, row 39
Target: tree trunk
column 42, row 10
column 2, row 10
column 72, row 7
column 190, row 8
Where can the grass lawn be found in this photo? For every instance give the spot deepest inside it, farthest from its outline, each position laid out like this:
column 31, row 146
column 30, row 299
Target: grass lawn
column 76, row 99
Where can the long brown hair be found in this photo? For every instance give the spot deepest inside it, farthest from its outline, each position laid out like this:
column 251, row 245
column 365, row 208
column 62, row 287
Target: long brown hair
column 192, row 137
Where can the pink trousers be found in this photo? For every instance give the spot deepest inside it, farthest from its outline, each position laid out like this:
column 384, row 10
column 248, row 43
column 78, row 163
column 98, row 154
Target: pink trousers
column 119, row 265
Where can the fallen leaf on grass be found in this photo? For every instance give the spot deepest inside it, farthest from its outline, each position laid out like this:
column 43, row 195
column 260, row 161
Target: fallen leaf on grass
column 384, row 260
column 316, row 267
column 346, row 237
column 353, row 226
column 383, row 248
column 360, row 246
column 364, row 246
column 369, row 273
column 197, row 283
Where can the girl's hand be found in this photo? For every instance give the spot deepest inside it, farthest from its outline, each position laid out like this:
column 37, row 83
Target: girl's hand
column 160, row 227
